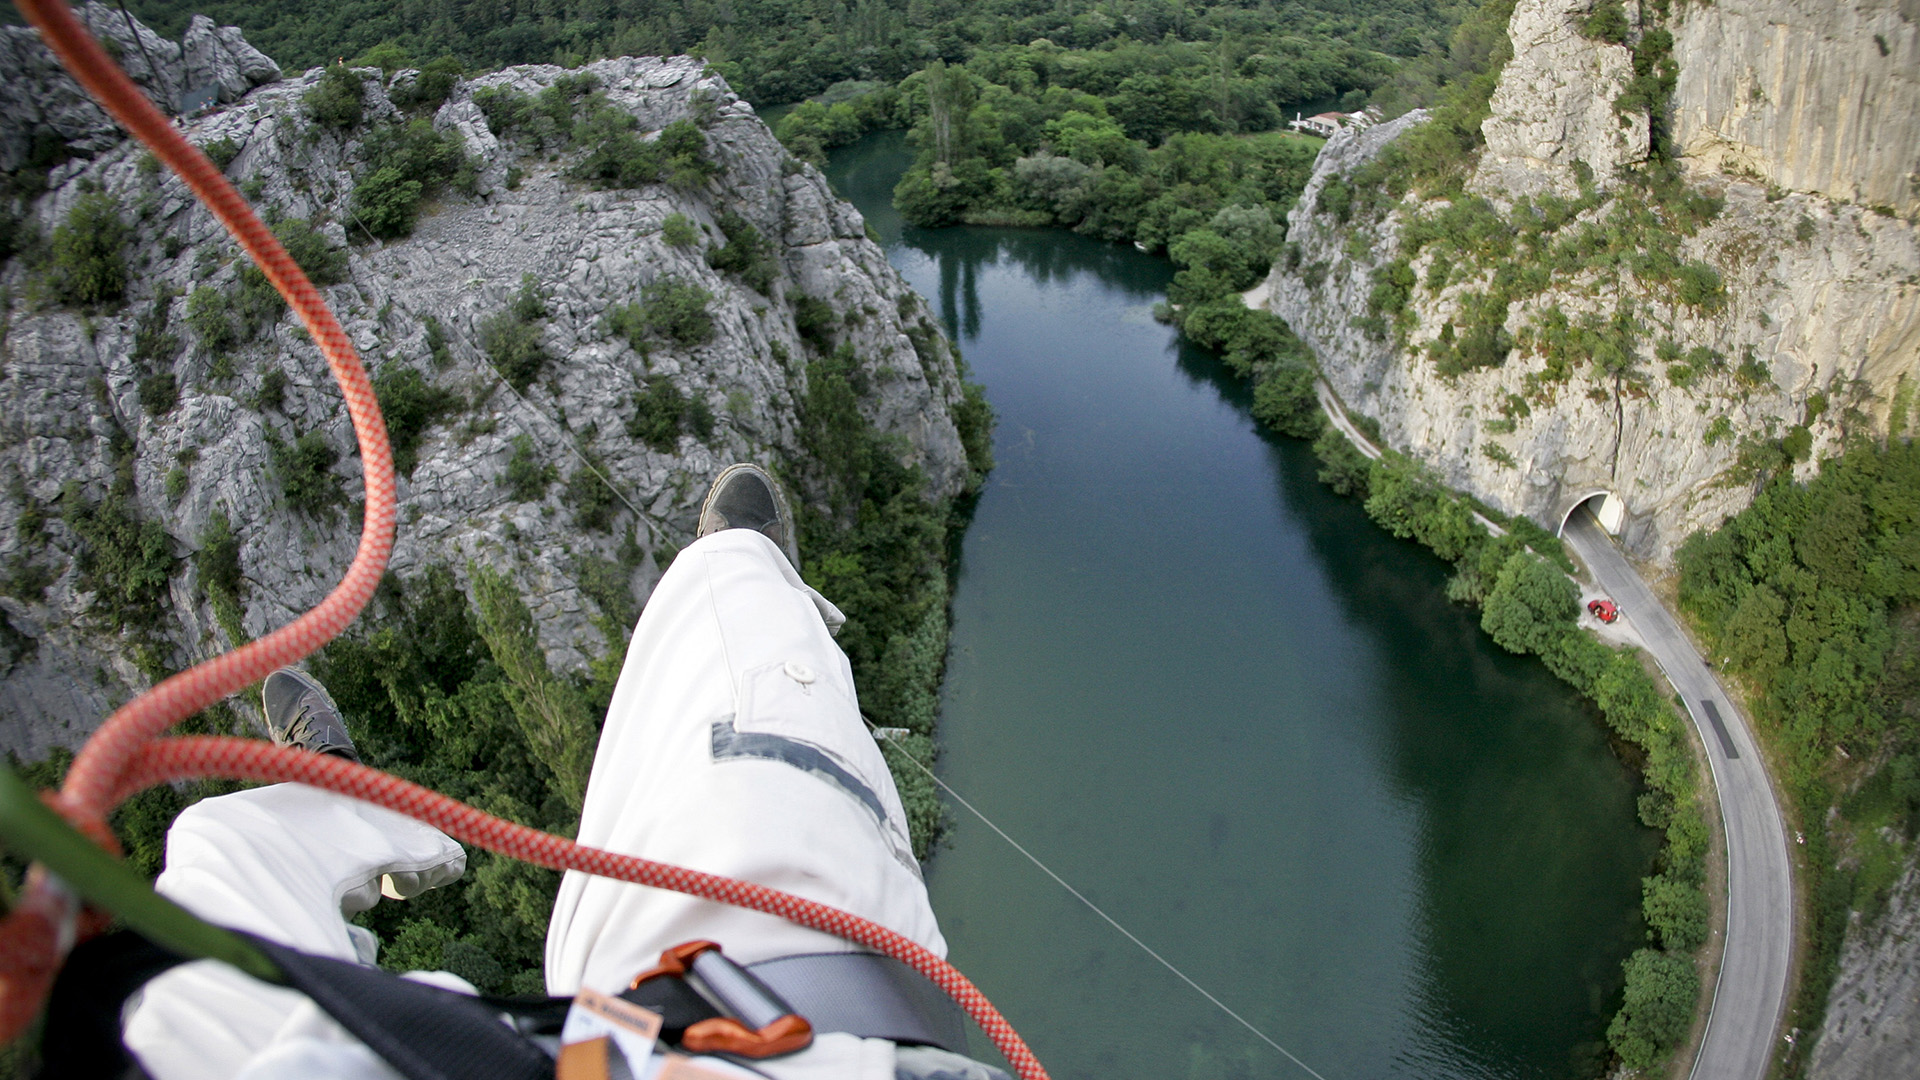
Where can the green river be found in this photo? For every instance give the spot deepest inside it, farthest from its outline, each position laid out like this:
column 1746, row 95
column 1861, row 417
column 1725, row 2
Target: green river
column 1240, row 718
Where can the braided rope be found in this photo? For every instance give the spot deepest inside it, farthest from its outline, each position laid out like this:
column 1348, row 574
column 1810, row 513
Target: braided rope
column 126, row 754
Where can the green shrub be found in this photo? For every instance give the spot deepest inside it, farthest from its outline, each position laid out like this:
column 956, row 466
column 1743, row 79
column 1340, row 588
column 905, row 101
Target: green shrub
column 222, row 151
column 1661, row 990
column 210, row 315
column 324, row 263
column 305, row 469
column 679, row 231
column 1342, row 466
column 386, row 203
column 89, row 265
column 973, row 418
column 410, row 406
column 1698, row 285
column 661, row 412
column 406, row 163
column 552, row 715
column 437, row 348
column 432, row 86
column 159, row 393
column 1607, row 22
column 1676, row 910
column 218, row 565
column 273, row 390
column 670, row 308
column 153, row 345
column 511, row 338
column 616, row 156
column 593, row 502
column 1284, row 400
column 507, row 110
column 257, row 305
column 124, row 561
column 339, row 100
column 683, row 149
column 814, row 319
column 526, row 478
column 745, row 253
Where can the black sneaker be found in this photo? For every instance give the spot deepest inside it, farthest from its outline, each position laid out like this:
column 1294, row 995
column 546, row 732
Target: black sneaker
column 745, row 497
column 301, row 713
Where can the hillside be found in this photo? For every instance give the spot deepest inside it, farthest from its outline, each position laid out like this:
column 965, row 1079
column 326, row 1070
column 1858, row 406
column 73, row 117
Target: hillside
column 581, row 293
column 1603, row 304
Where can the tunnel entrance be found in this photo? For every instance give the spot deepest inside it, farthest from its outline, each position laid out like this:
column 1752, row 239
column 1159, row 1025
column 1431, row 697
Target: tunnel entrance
column 1609, row 509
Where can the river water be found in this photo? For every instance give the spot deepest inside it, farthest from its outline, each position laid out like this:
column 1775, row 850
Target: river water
column 1241, row 719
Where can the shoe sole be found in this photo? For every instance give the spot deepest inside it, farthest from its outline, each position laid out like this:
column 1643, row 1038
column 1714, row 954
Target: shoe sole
column 791, row 549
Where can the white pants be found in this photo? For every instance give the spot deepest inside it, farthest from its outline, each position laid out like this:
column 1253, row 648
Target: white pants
column 733, row 745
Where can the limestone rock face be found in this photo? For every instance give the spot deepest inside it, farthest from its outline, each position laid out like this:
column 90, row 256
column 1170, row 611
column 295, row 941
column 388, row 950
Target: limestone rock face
column 1554, row 107
column 39, row 101
column 1872, row 1026
column 1819, row 326
column 1808, row 95
column 218, row 57
column 72, row 411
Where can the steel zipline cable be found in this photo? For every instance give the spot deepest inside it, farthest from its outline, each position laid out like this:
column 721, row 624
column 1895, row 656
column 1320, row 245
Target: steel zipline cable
column 127, row 754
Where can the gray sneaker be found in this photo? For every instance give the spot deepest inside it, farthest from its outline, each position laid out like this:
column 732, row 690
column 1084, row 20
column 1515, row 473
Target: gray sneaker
column 301, row 713
column 745, row 497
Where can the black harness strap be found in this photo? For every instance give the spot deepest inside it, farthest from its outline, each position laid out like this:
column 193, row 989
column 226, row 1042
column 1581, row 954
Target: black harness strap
column 424, row 1032
column 428, row 1033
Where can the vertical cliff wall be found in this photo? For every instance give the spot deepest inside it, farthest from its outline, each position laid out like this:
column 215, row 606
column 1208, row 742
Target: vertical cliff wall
column 1556, row 329
column 1815, row 96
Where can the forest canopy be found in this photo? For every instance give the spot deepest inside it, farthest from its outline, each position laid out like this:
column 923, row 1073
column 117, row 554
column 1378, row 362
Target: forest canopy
column 775, row 51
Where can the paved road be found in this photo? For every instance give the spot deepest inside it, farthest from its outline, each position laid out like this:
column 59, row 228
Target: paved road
column 1751, row 997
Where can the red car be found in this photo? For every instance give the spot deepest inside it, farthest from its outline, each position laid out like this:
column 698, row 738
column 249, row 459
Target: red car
column 1603, row 610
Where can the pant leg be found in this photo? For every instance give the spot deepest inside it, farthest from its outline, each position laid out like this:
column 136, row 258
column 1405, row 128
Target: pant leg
column 286, row 862
column 733, row 745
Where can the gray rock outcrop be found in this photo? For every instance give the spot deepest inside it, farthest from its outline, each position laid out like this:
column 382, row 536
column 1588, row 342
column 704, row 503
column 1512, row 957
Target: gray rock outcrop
column 72, row 412
column 42, row 107
column 1807, row 95
column 1819, row 324
column 217, row 58
column 1872, row 1026
column 1554, row 108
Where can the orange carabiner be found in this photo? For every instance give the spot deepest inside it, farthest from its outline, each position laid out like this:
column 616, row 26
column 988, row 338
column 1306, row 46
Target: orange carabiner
column 758, row 1023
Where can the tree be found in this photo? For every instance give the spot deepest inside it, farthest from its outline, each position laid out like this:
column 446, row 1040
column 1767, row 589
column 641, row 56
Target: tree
column 339, row 101
column 552, row 715
column 1661, row 989
column 386, row 203
column 1676, row 908
column 1532, row 605
column 950, row 99
column 89, row 261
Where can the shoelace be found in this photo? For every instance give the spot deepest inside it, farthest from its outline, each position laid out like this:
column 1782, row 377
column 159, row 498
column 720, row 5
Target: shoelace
column 301, row 733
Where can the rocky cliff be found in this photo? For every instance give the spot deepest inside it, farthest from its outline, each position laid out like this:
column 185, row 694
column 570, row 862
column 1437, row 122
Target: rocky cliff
column 1872, row 1025
column 1807, row 95
column 574, row 351
column 1553, row 327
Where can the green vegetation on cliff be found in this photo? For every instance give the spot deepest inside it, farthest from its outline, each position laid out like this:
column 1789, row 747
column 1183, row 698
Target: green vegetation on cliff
column 1811, row 599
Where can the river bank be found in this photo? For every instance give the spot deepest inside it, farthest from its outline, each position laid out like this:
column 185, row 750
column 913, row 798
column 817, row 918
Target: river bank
column 1214, row 696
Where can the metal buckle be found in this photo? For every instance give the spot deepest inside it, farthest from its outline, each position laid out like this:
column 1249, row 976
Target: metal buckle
column 757, row 1022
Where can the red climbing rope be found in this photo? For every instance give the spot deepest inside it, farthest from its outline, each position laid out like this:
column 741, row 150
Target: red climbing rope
column 126, row 755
